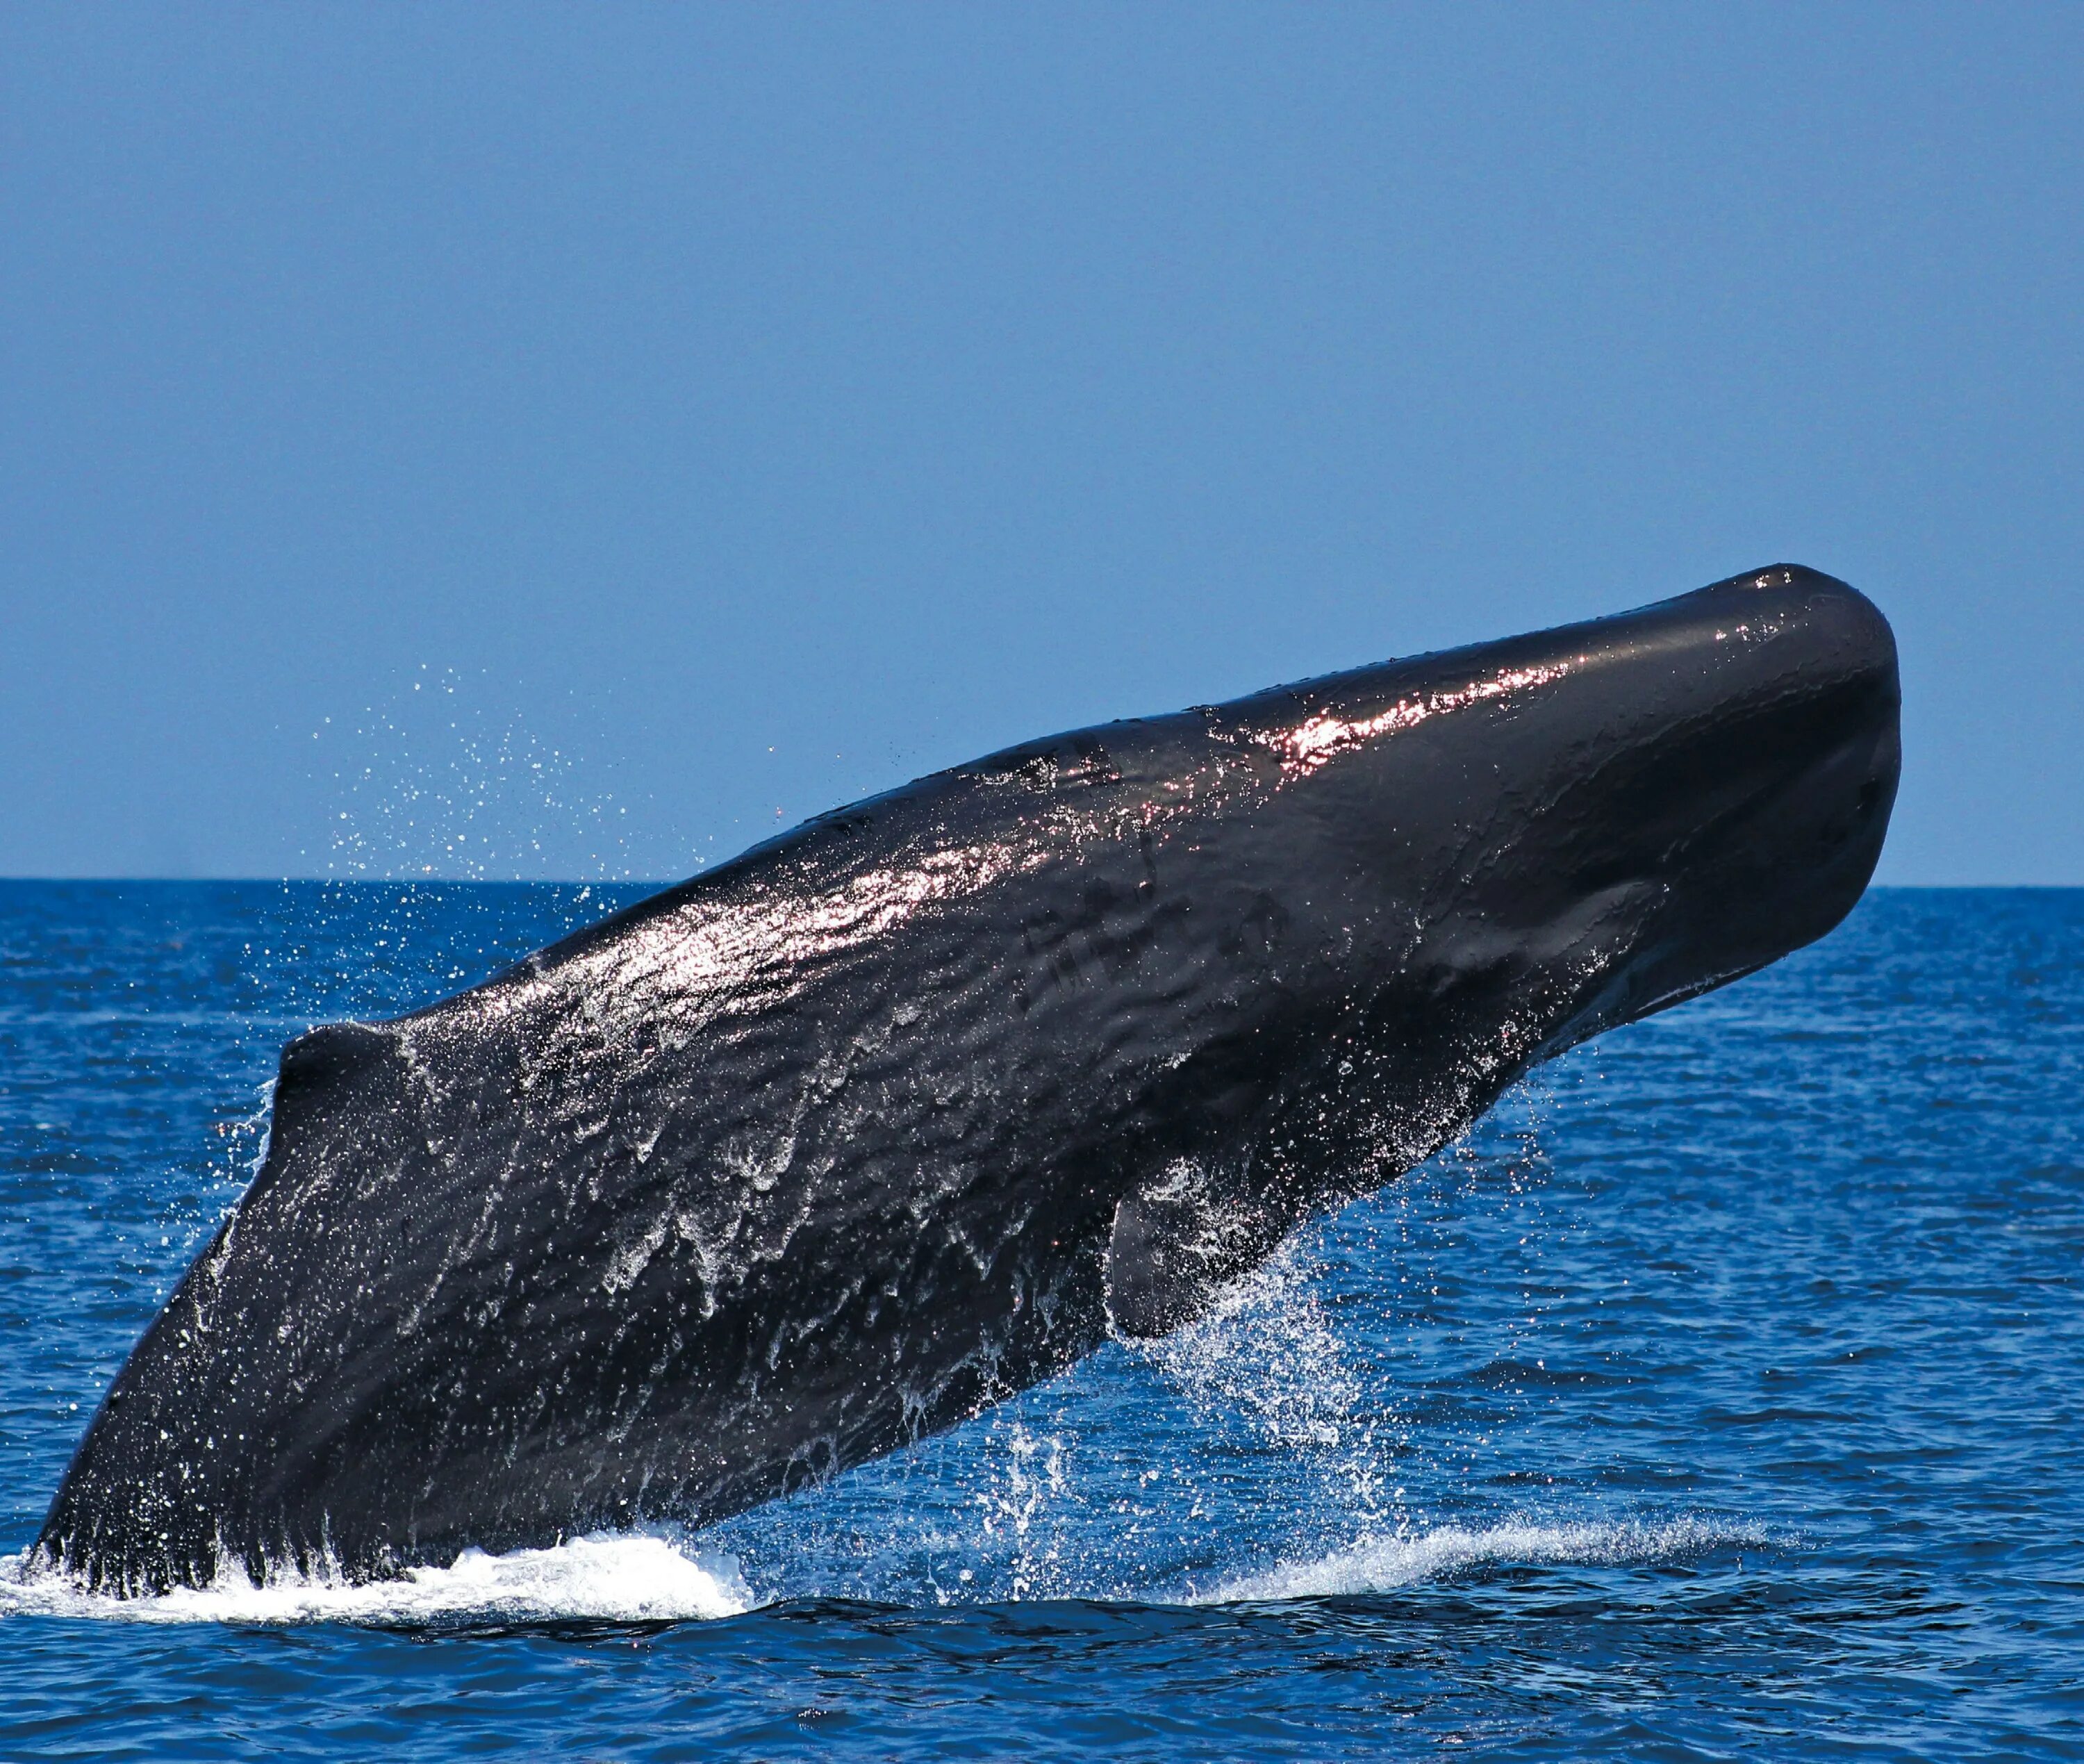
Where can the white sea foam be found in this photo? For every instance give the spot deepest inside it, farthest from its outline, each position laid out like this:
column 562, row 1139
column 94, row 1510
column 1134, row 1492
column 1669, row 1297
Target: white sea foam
column 1385, row 1563
column 638, row 1578
column 619, row 1578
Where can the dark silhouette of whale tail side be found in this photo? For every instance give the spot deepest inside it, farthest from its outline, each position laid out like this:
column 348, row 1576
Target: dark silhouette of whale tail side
column 909, row 1108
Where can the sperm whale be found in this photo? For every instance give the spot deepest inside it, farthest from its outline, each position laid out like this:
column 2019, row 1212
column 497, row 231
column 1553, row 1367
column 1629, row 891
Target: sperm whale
column 905, row 1110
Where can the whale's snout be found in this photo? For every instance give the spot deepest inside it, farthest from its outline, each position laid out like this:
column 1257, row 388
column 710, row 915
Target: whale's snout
column 1756, row 792
column 1811, row 727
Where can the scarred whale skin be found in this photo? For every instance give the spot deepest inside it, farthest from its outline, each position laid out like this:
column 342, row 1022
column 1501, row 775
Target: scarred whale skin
column 902, row 1111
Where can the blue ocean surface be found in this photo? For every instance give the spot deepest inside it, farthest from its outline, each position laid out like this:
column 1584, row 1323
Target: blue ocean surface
column 1717, row 1396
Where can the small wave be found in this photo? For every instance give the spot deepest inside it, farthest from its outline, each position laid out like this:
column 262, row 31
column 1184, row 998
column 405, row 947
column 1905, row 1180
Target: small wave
column 1383, row 1564
column 611, row 1578
column 640, row 1578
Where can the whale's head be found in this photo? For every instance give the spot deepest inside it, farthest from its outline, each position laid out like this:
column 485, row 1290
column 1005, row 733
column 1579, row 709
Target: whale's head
column 1685, row 793
column 1611, row 818
column 1494, row 853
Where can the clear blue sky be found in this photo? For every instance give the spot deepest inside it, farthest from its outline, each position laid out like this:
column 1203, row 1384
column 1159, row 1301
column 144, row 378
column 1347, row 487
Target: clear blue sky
column 736, row 411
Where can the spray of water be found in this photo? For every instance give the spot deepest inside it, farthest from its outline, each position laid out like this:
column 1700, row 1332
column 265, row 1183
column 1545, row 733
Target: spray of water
column 439, row 780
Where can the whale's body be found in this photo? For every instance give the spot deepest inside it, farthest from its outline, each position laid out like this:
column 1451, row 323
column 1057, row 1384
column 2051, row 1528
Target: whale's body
column 902, row 1111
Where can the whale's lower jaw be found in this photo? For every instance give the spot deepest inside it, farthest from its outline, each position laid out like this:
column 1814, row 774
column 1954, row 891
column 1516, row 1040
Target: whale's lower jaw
column 895, row 1115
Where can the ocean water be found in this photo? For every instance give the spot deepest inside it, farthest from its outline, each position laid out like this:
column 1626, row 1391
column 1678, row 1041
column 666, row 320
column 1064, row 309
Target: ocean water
column 1718, row 1396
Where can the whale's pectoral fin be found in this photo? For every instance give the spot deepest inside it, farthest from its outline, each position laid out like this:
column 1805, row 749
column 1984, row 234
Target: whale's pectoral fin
column 1181, row 1238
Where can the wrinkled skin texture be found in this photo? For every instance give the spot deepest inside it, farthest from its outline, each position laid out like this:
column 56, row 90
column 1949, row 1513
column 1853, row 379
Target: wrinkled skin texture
column 902, row 1111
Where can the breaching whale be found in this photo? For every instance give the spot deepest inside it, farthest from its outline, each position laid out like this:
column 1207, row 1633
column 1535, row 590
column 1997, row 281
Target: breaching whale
column 905, row 1110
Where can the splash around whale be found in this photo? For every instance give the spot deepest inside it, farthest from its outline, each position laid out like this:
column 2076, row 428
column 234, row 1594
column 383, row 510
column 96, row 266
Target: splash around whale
column 903, row 1111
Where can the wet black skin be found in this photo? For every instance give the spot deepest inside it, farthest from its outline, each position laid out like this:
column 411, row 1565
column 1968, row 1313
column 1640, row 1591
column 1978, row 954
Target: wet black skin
column 897, row 1114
